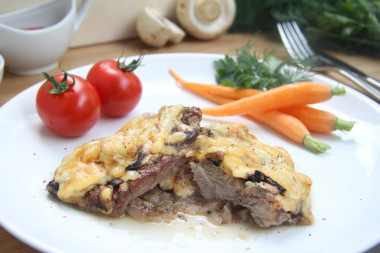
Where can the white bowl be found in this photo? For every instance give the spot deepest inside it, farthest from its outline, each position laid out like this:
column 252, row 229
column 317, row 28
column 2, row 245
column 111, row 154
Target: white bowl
column 35, row 38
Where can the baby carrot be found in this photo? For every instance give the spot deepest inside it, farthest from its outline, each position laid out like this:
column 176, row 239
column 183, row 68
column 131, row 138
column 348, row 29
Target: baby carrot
column 234, row 93
column 283, row 96
column 290, row 127
column 317, row 120
column 284, row 124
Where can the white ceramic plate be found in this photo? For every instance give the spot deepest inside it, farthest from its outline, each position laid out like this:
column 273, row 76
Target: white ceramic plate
column 345, row 194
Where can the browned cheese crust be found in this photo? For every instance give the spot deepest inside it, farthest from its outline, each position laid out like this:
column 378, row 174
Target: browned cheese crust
column 105, row 175
column 159, row 166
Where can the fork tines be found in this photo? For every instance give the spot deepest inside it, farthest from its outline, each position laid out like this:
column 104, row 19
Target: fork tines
column 294, row 40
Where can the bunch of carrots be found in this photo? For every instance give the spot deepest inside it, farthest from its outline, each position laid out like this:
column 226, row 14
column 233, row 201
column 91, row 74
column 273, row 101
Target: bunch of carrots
column 285, row 109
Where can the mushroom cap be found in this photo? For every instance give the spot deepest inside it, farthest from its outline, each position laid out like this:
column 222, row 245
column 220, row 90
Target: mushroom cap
column 206, row 19
column 155, row 30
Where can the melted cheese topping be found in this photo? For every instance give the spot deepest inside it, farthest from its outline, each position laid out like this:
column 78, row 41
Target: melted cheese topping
column 99, row 161
column 242, row 154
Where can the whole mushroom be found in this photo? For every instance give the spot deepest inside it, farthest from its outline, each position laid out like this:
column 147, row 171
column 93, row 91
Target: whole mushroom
column 155, row 30
column 206, row 19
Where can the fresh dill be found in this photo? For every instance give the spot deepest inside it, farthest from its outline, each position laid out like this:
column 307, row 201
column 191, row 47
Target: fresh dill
column 245, row 69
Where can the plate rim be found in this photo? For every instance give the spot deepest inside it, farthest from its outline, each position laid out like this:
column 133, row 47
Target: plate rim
column 41, row 245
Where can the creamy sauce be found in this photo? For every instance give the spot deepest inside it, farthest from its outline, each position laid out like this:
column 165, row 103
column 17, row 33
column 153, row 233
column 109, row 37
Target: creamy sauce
column 33, row 28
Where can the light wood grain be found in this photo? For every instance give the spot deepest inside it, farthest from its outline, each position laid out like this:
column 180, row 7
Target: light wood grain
column 76, row 57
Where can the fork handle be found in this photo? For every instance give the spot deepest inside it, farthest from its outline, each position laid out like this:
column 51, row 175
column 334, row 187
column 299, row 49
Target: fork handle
column 340, row 64
column 372, row 81
column 372, row 91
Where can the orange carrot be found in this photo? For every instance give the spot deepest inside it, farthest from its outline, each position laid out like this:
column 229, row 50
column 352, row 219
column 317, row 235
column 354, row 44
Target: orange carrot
column 234, row 93
column 284, row 124
column 317, row 120
column 283, row 96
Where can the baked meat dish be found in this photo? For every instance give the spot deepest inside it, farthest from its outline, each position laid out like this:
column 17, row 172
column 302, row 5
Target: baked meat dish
column 161, row 166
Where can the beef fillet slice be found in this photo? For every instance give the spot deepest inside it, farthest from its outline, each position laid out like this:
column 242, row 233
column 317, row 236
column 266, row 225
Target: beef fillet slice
column 161, row 164
column 232, row 165
column 104, row 175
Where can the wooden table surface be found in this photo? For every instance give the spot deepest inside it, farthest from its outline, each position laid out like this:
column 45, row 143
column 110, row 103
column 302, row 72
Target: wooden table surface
column 76, row 57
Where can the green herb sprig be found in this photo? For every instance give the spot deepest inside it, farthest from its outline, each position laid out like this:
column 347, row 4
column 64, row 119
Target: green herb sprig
column 245, row 69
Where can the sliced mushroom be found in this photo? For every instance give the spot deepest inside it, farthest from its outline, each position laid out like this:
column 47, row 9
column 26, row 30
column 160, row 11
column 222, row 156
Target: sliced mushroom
column 155, row 30
column 206, row 19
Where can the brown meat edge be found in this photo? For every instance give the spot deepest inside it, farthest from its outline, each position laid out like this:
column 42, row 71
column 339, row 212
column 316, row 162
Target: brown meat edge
column 123, row 192
column 260, row 202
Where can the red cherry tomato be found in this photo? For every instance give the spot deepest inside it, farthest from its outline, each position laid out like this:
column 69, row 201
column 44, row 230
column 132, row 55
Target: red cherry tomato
column 67, row 109
column 118, row 87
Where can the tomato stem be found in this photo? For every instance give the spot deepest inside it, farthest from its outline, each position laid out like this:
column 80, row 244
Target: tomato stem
column 130, row 66
column 58, row 87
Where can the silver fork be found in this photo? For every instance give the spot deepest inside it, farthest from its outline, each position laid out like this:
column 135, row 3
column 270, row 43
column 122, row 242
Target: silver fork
column 299, row 49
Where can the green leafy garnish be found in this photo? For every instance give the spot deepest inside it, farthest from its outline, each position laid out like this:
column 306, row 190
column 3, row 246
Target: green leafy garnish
column 246, row 69
column 345, row 25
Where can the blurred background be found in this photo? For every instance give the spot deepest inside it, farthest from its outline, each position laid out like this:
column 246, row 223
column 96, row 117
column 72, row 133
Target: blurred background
column 351, row 26
column 105, row 21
